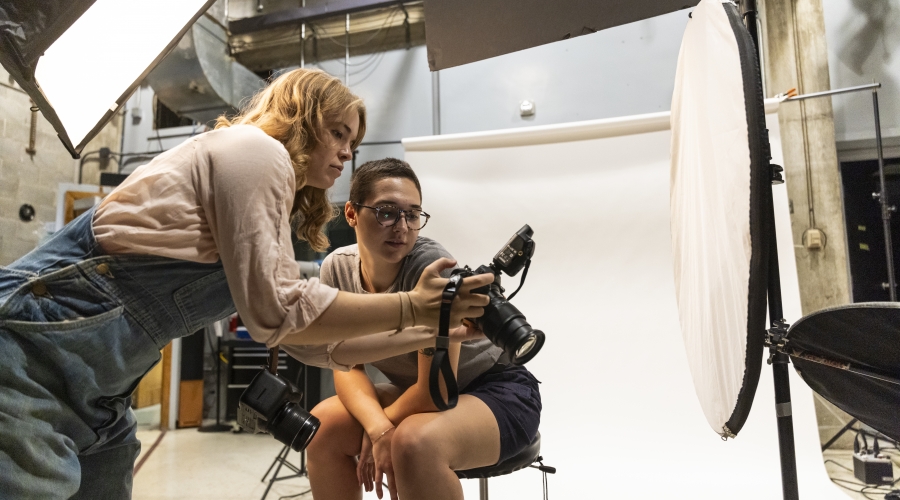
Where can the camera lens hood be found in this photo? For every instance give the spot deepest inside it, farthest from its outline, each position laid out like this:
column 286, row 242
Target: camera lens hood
column 528, row 347
column 294, row 426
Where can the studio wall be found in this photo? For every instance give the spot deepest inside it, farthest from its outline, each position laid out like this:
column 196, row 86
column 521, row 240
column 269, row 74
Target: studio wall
column 621, row 419
column 863, row 41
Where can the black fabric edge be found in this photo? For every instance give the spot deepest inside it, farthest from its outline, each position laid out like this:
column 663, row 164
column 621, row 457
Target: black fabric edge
column 855, row 305
column 760, row 190
column 803, row 367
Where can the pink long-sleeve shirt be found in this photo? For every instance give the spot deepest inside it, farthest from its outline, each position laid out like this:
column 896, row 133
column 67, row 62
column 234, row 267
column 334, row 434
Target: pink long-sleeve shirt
column 222, row 195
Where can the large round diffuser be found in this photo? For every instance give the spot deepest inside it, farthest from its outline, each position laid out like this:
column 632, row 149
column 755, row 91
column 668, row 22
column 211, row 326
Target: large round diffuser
column 720, row 174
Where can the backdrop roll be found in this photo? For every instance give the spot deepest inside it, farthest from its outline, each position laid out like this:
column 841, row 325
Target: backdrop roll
column 621, row 418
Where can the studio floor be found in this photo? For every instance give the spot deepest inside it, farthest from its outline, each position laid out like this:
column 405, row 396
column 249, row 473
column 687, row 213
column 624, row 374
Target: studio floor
column 222, row 466
column 227, row 466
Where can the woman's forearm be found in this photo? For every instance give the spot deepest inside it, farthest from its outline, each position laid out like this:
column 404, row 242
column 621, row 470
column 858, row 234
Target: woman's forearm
column 349, row 316
column 417, row 399
column 359, row 397
column 382, row 345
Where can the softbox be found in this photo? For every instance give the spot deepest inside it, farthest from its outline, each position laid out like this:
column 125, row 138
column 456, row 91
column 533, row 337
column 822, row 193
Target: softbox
column 80, row 60
column 720, row 181
column 850, row 355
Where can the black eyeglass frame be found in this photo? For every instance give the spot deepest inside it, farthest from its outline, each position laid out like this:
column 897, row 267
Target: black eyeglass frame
column 400, row 213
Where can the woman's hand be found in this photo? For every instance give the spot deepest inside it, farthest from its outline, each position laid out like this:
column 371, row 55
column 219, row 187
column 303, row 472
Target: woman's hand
column 381, row 451
column 465, row 332
column 365, row 469
column 426, row 297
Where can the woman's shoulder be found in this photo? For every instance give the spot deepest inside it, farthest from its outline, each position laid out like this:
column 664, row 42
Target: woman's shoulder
column 428, row 249
column 339, row 268
column 247, row 142
column 424, row 252
column 341, row 255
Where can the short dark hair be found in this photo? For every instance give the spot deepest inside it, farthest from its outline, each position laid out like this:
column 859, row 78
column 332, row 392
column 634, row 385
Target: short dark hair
column 371, row 172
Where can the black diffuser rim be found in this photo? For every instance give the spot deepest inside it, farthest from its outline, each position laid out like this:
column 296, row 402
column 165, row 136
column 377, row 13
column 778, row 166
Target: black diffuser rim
column 760, row 193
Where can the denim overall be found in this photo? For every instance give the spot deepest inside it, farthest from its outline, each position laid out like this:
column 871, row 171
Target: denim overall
column 78, row 331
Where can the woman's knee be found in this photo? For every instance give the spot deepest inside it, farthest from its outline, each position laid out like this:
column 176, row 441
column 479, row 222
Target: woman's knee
column 338, row 430
column 413, row 442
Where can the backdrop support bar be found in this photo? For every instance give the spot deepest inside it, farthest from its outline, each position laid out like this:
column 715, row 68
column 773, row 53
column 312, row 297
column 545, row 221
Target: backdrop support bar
column 826, row 93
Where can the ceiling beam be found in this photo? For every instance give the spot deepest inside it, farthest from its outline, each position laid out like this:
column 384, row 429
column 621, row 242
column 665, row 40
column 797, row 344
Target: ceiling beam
column 299, row 15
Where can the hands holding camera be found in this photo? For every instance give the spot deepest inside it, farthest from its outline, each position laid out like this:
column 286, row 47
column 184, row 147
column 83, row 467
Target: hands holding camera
column 426, row 296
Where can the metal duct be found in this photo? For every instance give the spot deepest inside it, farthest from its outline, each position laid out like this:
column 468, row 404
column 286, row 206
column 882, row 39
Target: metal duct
column 198, row 79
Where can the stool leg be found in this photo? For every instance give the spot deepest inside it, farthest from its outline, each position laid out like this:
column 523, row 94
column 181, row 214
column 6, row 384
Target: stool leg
column 545, row 486
column 483, row 487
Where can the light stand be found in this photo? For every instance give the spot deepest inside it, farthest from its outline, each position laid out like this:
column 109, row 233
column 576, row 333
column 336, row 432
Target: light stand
column 778, row 360
column 218, row 426
column 775, row 337
column 882, row 197
column 282, row 458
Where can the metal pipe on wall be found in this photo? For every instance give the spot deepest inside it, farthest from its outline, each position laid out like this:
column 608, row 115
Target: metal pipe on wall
column 32, row 134
column 436, row 103
column 347, row 52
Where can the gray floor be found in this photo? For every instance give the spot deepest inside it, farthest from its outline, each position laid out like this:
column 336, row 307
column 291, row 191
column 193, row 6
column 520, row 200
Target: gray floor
column 224, row 466
column 227, row 466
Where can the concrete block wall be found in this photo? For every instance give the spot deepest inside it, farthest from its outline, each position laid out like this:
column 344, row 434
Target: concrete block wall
column 34, row 179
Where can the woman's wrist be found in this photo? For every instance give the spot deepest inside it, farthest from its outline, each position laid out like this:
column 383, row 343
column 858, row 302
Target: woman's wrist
column 407, row 312
column 376, row 437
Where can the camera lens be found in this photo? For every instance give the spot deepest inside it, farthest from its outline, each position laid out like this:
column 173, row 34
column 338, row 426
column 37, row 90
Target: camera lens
column 525, row 348
column 507, row 328
column 529, row 347
column 294, row 426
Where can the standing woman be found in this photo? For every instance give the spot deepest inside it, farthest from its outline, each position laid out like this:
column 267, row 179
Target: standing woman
column 395, row 429
column 200, row 231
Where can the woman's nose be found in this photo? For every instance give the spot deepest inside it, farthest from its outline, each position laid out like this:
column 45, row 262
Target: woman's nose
column 345, row 154
column 402, row 225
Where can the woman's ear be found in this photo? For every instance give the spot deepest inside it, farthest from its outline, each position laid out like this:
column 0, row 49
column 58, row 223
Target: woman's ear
column 350, row 213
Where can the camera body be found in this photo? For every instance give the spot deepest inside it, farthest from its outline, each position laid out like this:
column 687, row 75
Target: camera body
column 271, row 404
column 502, row 322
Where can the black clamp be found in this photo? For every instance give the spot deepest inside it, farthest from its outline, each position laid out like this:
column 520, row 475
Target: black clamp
column 776, row 340
column 440, row 363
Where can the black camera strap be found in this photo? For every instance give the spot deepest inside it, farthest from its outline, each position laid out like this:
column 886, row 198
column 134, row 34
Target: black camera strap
column 440, row 363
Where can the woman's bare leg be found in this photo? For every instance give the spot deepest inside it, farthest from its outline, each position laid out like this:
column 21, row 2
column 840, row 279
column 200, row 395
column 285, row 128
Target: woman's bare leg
column 428, row 447
column 331, row 456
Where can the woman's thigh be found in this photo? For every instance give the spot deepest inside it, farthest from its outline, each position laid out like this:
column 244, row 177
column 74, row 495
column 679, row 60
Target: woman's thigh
column 462, row 438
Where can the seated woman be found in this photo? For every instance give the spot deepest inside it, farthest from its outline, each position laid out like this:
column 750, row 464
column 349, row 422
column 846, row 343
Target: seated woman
column 395, row 429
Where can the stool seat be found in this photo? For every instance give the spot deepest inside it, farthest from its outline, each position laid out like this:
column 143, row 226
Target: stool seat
column 518, row 461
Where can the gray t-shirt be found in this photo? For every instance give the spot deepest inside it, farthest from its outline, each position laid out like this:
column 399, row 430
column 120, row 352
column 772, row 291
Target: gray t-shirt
column 341, row 270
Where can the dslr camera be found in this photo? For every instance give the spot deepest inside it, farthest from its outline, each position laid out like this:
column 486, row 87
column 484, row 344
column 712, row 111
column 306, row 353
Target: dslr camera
column 272, row 404
column 502, row 322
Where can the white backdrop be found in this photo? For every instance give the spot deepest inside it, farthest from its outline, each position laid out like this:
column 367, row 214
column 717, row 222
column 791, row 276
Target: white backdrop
column 621, row 419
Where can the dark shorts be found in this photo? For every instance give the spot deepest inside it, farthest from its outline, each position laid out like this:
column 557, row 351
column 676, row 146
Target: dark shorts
column 512, row 394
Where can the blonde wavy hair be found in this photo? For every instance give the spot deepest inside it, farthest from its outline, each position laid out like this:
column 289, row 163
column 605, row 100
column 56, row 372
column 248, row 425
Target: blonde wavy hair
column 294, row 109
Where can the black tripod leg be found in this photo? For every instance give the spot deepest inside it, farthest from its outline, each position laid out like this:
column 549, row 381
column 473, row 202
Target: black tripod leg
column 840, row 433
column 282, row 456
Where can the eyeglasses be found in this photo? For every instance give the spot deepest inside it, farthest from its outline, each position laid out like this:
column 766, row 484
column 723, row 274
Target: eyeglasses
column 389, row 216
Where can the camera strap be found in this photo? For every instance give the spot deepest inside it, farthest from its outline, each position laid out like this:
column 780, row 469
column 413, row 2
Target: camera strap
column 440, row 363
